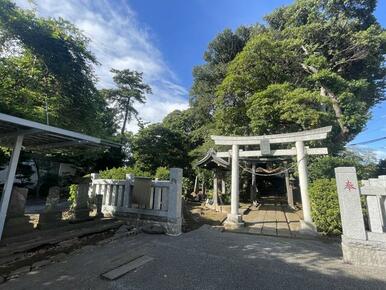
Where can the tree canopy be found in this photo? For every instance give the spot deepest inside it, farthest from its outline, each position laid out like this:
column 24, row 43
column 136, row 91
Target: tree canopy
column 313, row 63
column 157, row 146
column 317, row 63
column 47, row 73
column 130, row 88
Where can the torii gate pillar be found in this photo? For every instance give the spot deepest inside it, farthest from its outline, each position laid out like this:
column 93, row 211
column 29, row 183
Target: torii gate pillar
column 234, row 219
column 306, row 224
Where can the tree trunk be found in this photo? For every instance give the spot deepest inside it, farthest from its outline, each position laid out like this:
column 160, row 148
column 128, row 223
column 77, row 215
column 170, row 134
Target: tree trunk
column 126, row 118
column 125, row 121
column 326, row 92
column 344, row 131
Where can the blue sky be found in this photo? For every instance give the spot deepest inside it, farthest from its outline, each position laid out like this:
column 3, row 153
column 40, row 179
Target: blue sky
column 165, row 39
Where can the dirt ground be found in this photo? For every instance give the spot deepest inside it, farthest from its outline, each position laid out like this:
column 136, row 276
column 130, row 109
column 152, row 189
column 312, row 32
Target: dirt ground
column 196, row 215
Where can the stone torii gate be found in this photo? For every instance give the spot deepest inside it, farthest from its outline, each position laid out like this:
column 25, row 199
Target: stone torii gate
column 234, row 219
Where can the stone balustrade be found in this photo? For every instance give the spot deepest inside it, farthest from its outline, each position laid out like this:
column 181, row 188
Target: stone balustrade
column 361, row 246
column 142, row 199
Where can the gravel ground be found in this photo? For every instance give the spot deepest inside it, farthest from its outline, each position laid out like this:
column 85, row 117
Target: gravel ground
column 206, row 259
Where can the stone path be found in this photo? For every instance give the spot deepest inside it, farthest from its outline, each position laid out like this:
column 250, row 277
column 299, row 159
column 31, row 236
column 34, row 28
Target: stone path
column 272, row 217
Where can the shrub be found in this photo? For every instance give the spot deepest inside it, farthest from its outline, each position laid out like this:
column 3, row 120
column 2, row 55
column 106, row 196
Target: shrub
column 187, row 186
column 325, row 206
column 162, row 173
column 324, row 167
column 120, row 173
column 72, row 195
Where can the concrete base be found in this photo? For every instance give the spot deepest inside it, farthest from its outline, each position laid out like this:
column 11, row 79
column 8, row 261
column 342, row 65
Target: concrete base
column 17, row 226
column 233, row 222
column 50, row 219
column 368, row 253
column 307, row 228
column 81, row 214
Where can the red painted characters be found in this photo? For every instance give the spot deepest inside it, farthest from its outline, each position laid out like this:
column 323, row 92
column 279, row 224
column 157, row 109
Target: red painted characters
column 349, row 185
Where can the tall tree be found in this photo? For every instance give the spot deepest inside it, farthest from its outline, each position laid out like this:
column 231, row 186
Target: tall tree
column 317, row 63
column 221, row 50
column 157, row 146
column 130, row 88
column 46, row 65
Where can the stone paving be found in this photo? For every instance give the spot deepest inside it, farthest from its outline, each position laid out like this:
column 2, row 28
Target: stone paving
column 206, row 259
column 272, row 217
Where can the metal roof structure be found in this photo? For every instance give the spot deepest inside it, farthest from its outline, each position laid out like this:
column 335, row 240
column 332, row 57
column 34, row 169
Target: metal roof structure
column 38, row 137
column 18, row 133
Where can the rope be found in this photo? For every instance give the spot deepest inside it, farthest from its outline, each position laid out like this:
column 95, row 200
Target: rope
column 271, row 174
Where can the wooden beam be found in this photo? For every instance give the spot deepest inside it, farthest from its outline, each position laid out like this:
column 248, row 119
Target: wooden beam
column 278, row 152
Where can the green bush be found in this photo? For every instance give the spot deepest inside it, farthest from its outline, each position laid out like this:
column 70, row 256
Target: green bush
column 187, row 186
column 120, row 173
column 323, row 167
column 72, row 195
column 162, row 173
column 226, row 198
column 325, row 206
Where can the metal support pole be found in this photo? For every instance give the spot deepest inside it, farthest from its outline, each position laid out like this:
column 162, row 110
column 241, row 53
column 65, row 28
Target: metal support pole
column 10, row 180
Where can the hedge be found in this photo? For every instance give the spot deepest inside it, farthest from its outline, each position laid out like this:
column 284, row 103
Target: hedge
column 120, row 173
column 325, row 206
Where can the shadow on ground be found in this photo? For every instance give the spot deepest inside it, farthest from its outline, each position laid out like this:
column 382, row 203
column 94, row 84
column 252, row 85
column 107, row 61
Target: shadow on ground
column 208, row 259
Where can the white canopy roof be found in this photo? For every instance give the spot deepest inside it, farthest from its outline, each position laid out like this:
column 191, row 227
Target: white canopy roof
column 39, row 136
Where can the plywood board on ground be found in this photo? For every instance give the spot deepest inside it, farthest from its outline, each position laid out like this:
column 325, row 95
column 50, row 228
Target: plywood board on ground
column 125, row 268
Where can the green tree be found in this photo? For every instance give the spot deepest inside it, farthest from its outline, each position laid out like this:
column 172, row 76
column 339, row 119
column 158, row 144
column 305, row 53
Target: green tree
column 324, row 56
column 220, row 52
column 46, row 66
column 157, row 146
column 381, row 167
column 323, row 167
column 130, row 88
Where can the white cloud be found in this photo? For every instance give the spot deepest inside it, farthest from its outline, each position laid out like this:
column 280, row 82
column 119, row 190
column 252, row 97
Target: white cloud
column 380, row 154
column 119, row 41
column 367, row 152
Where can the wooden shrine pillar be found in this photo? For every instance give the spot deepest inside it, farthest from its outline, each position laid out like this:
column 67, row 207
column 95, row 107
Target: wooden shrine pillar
column 253, row 182
column 290, row 193
column 215, row 187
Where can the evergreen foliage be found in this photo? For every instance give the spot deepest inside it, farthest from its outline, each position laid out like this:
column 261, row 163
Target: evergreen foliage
column 325, row 206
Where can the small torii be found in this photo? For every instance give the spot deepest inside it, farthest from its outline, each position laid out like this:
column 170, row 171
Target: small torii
column 234, row 219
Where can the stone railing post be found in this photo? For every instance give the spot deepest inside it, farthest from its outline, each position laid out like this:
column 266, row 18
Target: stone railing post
column 127, row 197
column 382, row 180
column 81, row 210
column 92, row 189
column 174, row 202
column 350, row 204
